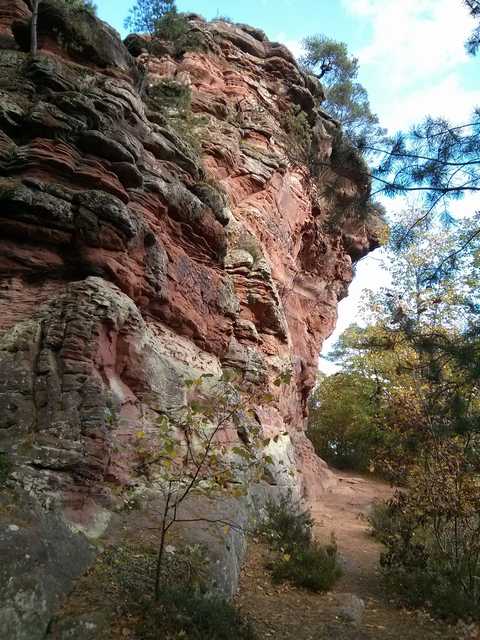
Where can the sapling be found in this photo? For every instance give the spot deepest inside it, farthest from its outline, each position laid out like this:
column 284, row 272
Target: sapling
column 211, row 446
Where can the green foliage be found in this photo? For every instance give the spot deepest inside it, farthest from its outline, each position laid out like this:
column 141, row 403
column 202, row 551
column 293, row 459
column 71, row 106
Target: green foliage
column 343, row 425
column 286, row 524
column 328, row 59
column 348, row 103
column 173, row 101
column 171, row 27
column 208, row 447
column 146, row 15
column 412, row 374
column 122, row 581
column 383, row 520
column 299, row 135
column 346, row 100
column 88, row 5
column 435, row 158
column 418, row 363
column 431, row 532
column 287, row 528
column 183, row 612
column 314, row 567
column 160, row 19
column 192, row 40
column 473, row 43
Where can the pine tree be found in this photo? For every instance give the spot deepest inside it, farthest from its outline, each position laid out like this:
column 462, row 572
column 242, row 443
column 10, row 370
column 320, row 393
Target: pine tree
column 346, row 100
column 473, row 43
column 146, row 15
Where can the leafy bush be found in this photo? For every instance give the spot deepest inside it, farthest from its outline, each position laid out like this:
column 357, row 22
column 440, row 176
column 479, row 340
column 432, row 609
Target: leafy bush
column 183, row 612
column 122, row 582
column 299, row 559
column 286, row 525
column 171, row 26
column 161, row 20
column 192, row 40
column 431, row 533
column 313, row 567
column 382, row 520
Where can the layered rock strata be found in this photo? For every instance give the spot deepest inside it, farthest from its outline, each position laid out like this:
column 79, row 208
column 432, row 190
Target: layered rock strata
column 155, row 224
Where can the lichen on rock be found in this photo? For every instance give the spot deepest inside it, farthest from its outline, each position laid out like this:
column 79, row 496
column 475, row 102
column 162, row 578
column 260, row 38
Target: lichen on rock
column 141, row 246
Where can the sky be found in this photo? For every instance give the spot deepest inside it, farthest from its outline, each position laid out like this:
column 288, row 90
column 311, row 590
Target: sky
column 412, row 63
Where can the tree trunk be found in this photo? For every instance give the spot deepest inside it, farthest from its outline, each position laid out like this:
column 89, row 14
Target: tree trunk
column 161, row 549
column 33, row 28
column 158, row 573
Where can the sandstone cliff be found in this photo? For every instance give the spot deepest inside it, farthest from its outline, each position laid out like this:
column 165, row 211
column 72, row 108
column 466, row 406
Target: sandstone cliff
column 155, row 223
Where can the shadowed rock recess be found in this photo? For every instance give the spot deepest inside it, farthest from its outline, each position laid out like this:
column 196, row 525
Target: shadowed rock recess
column 155, row 224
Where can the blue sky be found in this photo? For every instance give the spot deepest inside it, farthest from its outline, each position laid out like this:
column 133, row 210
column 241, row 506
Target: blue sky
column 412, row 62
column 412, row 58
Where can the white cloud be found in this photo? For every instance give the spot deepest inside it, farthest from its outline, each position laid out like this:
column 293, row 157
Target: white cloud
column 295, row 46
column 413, row 39
column 445, row 98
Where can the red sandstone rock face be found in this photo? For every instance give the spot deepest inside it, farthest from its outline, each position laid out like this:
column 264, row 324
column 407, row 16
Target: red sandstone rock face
column 127, row 262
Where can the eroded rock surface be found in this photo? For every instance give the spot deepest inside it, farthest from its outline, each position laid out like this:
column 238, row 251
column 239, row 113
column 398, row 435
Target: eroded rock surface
column 131, row 259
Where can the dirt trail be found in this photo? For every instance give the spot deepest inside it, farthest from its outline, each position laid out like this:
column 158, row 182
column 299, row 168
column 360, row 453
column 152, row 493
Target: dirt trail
column 285, row 613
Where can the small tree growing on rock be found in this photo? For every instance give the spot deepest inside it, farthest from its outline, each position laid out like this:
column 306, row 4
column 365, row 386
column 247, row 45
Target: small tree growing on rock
column 150, row 16
column 346, row 99
column 210, row 448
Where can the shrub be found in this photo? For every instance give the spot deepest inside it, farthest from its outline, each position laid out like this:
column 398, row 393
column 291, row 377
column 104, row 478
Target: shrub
column 286, row 525
column 314, row 567
column 299, row 559
column 192, row 40
column 171, row 26
column 161, row 20
column 122, row 581
column 184, row 612
column 431, row 533
column 382, row 520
